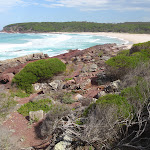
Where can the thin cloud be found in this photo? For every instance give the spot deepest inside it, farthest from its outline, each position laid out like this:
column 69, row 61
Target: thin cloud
column 101, row 4
column 83, row 5
column 5, row 5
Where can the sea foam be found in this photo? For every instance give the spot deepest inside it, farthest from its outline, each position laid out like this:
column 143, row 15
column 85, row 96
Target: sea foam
column 16, row 45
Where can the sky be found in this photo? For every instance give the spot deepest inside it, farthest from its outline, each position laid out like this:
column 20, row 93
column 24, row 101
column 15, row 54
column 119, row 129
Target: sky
column 101, row 11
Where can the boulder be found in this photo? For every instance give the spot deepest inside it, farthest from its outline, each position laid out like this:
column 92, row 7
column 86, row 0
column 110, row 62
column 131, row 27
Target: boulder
column 100, row 94
column 29, row 57
column 37, row 56
column 40, row 87
column 65, row 144
column 93, row 68
column 78, row 97
column 115, row 85
column 56, row 85
column 36, row 115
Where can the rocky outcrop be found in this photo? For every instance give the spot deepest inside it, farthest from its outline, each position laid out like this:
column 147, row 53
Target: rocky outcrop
column 9, row 67
column 56, row 85
column 10, row 63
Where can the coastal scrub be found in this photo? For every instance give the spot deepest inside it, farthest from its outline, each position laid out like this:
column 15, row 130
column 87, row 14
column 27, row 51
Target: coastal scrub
column 127, row 60
column 38, row 71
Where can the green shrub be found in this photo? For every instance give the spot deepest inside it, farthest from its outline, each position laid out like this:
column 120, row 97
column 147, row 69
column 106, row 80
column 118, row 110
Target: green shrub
column 123, row 107
column 121, row 64
column 124, row 52
column 43, row 104
column 121, row 61
column 37, row 71
column 137, row 95
column 138, row 47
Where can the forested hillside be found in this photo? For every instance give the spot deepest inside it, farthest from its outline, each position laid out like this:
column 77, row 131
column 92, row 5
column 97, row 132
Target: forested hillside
column 130, row 27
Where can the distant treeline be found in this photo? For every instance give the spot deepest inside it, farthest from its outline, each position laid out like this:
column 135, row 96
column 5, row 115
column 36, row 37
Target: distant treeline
column 130, row 27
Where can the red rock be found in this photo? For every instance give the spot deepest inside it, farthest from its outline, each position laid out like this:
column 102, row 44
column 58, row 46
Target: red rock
column 6, row 77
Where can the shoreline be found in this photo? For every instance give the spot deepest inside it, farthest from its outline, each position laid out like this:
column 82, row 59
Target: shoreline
column 128, row 38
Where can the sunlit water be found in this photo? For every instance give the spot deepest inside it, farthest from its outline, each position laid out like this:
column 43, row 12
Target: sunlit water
column 15, row 44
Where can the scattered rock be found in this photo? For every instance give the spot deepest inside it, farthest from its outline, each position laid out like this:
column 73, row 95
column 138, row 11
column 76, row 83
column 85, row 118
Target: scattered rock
column 22, row 139
column 6, row 77
column 85, row 84
column 87, row 58
column 93, row 68
column 71, row 82
column 105, row 58
column 84, row 69
column 36, row 115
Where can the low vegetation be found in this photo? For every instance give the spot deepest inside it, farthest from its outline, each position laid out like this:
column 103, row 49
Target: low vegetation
column 7, row 103
column 38, row 71
column 19, row 93
column 43, row 104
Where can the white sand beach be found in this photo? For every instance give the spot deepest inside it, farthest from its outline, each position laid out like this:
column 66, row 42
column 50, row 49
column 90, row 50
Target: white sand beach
column 132, row 38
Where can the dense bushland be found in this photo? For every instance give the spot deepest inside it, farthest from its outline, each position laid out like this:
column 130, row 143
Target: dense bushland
column 37, row 71
column 131, row 27
column 127, row 60
column 122, row 121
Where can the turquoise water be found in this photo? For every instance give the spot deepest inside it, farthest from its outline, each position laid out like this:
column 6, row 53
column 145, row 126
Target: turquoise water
column 15, row 44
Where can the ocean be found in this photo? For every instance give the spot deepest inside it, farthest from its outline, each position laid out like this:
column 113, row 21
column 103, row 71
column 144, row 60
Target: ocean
column 14, row 45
